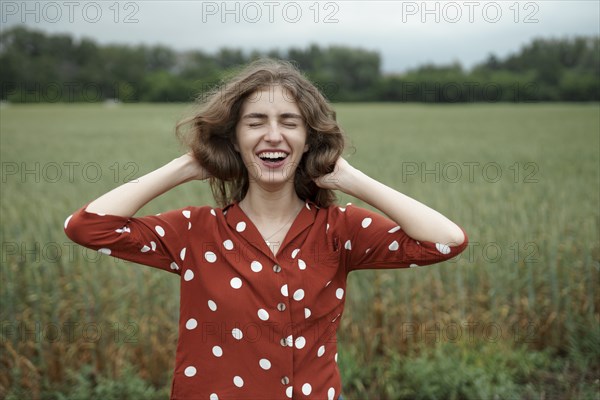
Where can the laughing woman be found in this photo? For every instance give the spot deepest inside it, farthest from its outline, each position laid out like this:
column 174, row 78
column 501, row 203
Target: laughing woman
column 263, row 275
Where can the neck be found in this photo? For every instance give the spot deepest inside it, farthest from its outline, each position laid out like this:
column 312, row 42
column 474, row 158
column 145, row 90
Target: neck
column 272, row 206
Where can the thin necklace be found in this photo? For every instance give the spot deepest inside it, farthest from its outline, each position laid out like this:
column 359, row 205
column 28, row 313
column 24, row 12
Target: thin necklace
column 279, row 230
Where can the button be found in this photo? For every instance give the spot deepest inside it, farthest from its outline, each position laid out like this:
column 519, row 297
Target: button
column 281, row 306
column 285, row 380
column 283, row 342
column 276, row 268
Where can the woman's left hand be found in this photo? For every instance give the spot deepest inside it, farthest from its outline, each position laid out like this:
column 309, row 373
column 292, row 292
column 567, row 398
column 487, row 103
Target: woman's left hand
column 338, row 179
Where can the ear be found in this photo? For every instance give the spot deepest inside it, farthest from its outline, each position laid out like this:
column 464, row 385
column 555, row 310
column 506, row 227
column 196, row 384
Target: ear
column 305, row 148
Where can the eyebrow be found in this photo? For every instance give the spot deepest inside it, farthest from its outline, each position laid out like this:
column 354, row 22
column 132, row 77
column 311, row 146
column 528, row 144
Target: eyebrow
column 264, row 116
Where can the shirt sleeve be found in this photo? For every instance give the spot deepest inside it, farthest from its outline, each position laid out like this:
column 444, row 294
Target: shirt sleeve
column 158, row 241
column 373, row 241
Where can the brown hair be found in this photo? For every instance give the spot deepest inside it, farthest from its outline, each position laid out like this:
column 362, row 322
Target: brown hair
column 210, row 133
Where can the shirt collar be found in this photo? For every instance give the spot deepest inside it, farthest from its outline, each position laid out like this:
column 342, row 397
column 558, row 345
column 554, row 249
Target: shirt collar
column 241, row 223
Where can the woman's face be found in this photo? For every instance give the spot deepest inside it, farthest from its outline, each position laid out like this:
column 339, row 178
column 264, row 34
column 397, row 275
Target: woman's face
column 271, row 136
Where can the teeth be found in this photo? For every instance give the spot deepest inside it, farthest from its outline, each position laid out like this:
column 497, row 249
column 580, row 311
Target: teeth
column 271, row 154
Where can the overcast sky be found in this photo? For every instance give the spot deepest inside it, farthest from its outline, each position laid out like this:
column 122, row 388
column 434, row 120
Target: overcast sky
column 405, row 33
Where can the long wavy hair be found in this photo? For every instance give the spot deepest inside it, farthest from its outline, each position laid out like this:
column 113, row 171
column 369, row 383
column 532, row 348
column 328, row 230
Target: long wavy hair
column 210, row 132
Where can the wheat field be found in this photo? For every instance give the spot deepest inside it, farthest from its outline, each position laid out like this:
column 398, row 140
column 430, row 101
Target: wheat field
column 515, row 316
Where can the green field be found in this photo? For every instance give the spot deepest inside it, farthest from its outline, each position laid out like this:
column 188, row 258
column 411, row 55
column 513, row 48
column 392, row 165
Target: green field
column 515, row 316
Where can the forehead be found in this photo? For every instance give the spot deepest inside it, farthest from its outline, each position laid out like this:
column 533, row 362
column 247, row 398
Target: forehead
column 271, row 99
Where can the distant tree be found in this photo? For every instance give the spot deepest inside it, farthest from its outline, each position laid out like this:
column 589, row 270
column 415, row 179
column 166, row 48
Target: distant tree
column 35, row 66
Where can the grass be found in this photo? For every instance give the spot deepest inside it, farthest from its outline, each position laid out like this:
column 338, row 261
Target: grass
column 515, row 316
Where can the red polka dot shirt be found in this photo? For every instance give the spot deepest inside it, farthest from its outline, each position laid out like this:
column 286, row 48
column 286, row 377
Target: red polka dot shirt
column 253, row 325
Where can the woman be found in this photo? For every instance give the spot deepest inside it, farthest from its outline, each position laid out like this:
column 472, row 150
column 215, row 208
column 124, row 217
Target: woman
column 264, row 276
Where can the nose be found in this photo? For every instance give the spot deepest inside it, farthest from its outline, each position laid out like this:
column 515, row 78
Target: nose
column 273, row 135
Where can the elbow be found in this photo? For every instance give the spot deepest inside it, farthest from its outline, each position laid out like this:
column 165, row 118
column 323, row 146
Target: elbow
column 459, row 238
column 73, row 229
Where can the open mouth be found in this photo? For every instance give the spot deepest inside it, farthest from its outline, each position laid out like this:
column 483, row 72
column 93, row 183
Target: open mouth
column 273, row 157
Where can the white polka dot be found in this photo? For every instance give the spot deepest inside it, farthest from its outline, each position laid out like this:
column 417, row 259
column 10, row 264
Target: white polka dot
column 188, row 276
column 189, row 226
column 217, row 351
column 174, row 265
column 145, row 249
column 212, row 305
column 300, row 342
column 263, row 314
column 295, row 253
column 182, row 254
column 67, row 220
column 289, row 341
column 339, row 293
column 240, row 226
column 190, row 371
column 212, row 211
column 348, row 245
column 307, row 312
column 307, row 206
column 288, row 391
column 213, row 396
column 301, row 264
column 264, row 363
column 327, row 228
column 191, row 324
column 104, row 250
column 306, row 389
column 228, row 244
column 366, row 222
column 210, row 256
column 327, row 284
column 256, row 266
column 367, row 250
column 442, row 248
column 238, row 381
column 342, row 209
column 394, row 229
column 394, row 246
column 321, row 351
column 284, row 290
column 413, row 265
column 159, row 229
column 298, row 294
column 236, row 283
column 330, row 393
column 153, row 245
column 335, row 357
column 237, row 334
column 186, row 213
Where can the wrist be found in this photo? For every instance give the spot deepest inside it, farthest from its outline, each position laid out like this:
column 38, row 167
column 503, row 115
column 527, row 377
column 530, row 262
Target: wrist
column 183, row 169
column 351, row 180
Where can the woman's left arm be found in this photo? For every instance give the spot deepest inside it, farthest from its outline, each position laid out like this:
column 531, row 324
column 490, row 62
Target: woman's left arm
column 416, row 219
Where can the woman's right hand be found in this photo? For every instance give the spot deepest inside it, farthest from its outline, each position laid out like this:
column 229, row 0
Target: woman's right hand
column 128, row 198
column 192, row 168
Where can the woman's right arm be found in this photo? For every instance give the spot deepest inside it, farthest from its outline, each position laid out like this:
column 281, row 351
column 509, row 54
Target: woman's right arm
column 107, row 223
column 128, row 198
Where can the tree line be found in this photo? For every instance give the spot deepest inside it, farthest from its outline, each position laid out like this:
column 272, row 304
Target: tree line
column 38, row 67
